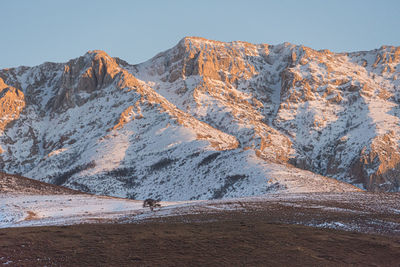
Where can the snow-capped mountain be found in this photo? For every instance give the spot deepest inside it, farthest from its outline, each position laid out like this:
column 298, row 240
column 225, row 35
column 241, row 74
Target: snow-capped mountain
column 206, row 119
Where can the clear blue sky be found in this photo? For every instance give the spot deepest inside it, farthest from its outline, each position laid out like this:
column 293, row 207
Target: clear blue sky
column 33, row 32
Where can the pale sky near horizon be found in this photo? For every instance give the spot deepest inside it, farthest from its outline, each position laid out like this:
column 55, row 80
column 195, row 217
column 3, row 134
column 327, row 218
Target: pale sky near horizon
column 53, row 30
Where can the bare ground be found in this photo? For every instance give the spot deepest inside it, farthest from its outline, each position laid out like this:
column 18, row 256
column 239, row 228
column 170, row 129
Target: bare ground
column 227, row 238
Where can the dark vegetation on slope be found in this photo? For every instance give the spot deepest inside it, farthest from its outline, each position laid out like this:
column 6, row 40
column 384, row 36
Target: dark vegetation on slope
column 63, row 177
column 208, row 159
column 19, row 184
column 229, row 182
column 161, row 164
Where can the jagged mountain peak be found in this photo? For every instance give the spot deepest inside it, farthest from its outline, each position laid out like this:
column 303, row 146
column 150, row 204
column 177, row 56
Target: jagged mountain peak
column 202, row 42
column 98, row 52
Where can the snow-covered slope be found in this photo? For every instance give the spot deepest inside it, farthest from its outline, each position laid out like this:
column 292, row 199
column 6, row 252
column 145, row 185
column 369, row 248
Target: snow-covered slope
column 204, row 119
column 351, row 211
column 27, row 202
column 333, row 114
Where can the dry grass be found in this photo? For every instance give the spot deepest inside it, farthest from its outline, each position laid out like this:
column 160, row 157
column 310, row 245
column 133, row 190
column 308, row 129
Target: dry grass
column 225, row 240
column 31, row 215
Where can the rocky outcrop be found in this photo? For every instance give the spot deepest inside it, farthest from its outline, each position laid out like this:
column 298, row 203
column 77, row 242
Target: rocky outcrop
column 83, row 78
column 12, row 103
column 378, row 165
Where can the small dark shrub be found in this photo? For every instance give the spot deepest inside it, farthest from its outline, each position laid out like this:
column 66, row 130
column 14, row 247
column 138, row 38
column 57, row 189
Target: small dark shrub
column 151, row 203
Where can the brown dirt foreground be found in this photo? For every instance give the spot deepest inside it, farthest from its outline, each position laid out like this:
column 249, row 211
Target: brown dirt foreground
column 241, row 240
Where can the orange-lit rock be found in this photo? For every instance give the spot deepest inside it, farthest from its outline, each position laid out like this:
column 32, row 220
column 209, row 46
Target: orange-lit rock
column 12, row 103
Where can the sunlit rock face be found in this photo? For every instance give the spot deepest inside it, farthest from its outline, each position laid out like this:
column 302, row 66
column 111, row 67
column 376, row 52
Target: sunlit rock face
column 11, row 102
column 206, row 119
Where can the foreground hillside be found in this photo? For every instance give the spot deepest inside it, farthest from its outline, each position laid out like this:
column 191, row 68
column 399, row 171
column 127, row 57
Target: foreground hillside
column 305, row 227
column 15, row 184
column 351, row 211
column 206, row 120
column 219, row 239
column 27, row 202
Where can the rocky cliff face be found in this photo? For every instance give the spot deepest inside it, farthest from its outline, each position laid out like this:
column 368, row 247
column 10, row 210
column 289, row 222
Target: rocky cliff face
column 206, row 119
column 12, row 102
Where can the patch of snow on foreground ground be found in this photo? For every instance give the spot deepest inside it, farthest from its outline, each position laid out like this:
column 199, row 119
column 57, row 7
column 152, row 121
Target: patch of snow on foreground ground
column 350, row 211
column 39, row 210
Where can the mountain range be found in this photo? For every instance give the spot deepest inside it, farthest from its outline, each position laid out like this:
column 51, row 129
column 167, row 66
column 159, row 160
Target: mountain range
column 205, row 120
